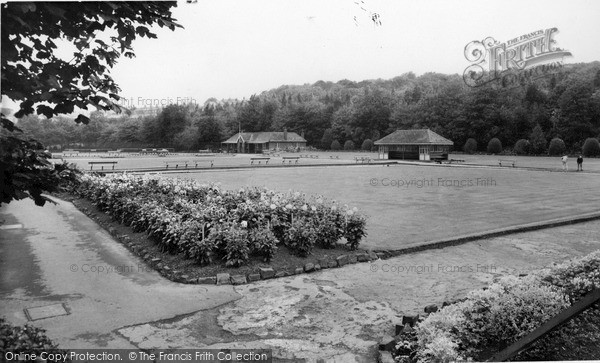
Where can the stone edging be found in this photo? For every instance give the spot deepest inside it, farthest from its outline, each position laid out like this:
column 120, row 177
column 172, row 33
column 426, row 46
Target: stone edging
column 264, row 273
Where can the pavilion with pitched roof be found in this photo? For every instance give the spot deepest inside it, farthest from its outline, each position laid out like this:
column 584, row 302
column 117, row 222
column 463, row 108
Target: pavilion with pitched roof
column 421, row 144
column 257, row 142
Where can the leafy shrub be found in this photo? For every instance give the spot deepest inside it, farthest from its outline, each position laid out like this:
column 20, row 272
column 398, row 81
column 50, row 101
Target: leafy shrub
column 470, row 146
column 330, row 230
column 494, row 146
column 506, row 311
column 576, row 277
column 367, row 145
column 263, row 242
column 349, row 145
column 355, row 229
column 501, row 314
column 236, row 246
column 200, row 221
column 26, row 339
column 591, row 147
column 557, row 147
column 335, row 145
column 522, row 147
column 301, row 237
column 537, row 140
column 194, row 245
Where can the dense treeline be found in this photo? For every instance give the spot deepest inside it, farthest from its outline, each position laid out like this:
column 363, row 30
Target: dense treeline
column 565, row 105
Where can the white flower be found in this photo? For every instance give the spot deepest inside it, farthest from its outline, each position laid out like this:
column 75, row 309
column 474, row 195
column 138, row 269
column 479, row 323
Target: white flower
column 334, row 208
column 305, row 207
column 313, row 208
column 273, row 206
column 244, row 224
column 350, row 212
column 289, row 206
column 319, row 200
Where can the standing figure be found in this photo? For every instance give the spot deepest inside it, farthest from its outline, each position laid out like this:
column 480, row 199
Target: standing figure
column 564, row 162
column 580, row 163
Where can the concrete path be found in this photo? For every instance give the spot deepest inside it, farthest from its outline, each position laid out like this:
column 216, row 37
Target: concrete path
column 339, row 315
column 57, row 255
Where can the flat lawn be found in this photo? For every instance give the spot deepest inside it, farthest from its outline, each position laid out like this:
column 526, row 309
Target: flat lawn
column 544, row 162
column 324, row 157
column 408, row 205
column 220, row 160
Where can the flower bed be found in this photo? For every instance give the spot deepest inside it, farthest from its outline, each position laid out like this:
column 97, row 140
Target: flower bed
column 205, row 223
column 492, row 318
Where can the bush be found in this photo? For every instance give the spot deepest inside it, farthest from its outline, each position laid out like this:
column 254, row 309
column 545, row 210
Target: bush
column 367, row 145
column 349, row 145
column 193, row 245
column 355, row 229
column 203, row 222
column 26, row 339
column 262, row 242
column 522, row 147
column 501, row 314
column 507, row 310
column 301, row 236
column 557, row 147
column 591, row 147
column 470, row 146
column 537, row 141
column 335, row 145
column 238, row 251
column 494, row 146
column 330, row 230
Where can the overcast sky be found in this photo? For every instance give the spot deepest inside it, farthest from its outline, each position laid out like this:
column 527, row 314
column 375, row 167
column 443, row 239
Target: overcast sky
column 238, row 48
column 233, row 49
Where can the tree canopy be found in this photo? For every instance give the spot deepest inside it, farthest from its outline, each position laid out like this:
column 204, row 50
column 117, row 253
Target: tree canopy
column 564, row 105
column 36, row 77
column 33, row 73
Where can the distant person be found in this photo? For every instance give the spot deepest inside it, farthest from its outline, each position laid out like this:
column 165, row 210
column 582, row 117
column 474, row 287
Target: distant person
column 580, row 163
column 564, row 162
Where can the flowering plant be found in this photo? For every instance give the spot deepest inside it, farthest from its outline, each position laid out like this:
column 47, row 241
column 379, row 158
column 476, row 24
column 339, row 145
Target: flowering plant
column 194, row 219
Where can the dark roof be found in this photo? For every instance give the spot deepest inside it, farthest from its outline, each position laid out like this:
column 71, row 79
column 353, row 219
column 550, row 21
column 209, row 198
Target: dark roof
column 413, row 137
column 264, row 137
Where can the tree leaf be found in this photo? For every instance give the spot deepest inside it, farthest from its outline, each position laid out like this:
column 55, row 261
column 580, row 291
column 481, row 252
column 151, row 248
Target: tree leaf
column 82, row 119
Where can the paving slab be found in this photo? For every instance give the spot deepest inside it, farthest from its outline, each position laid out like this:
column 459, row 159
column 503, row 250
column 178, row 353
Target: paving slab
column 44, row 312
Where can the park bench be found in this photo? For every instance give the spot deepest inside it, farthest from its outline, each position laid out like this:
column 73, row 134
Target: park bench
column 196, row 162
column 92, row 163
column 291, row 158
column 507, row 161
column 266, row 160
column 450, row 161
column 334, row 156
column 362, row 159
column 177, row 163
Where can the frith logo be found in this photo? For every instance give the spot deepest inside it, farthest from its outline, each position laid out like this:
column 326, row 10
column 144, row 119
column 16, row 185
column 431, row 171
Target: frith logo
column 515, row 61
